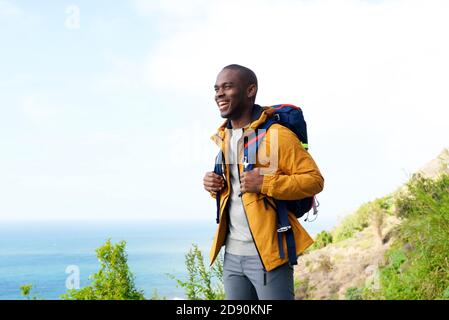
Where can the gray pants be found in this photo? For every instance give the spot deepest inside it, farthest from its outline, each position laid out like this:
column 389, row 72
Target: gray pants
column 245, row 279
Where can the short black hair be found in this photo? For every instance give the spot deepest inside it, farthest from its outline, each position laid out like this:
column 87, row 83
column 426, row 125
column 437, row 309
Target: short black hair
column 247, row 73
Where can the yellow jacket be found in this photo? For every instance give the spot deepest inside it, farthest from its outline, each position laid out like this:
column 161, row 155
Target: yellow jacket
column 297, row 176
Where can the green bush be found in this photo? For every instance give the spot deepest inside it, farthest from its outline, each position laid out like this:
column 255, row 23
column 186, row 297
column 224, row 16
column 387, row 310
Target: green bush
column 386, row 203
column 421, row 195
column 26, row 292
column 322, row 239
column 114, row 280
column 362, row 218
column 352, row 224
column 418, row 263
column 354, row 293
column 446, row 294
column 199, row 284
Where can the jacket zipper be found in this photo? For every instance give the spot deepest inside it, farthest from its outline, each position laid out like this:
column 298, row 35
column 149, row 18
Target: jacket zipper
column 251, row 232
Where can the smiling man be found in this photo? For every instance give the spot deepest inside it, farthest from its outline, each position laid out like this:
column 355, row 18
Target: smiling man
column 253, row 266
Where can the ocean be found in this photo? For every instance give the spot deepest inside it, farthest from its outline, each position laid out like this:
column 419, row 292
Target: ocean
column 38, row 253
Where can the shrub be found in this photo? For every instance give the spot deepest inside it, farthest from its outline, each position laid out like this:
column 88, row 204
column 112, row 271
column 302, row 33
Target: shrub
column 25, row 290
column 446, row 294
column 421, row 271
column 386, row 203
column 199, row 284
column 420, row 195
column 113, row 281
column 353, row 223
column 322, row 239
column 370, row 212
column 354, row 293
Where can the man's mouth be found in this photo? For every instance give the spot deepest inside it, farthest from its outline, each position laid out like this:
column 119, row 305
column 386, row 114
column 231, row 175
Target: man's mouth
column 223, row 105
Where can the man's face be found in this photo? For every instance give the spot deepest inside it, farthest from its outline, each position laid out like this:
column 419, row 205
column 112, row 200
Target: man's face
column 230, row 93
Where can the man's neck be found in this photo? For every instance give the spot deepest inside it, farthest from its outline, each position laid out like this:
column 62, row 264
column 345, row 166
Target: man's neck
column 243, row 120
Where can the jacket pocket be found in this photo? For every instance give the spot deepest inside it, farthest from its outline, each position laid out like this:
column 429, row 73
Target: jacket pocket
column 262, row 204
column 249, row 198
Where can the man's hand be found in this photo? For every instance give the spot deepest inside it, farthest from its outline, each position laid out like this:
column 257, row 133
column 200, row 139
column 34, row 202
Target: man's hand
column 213, row 182
column 251, row 181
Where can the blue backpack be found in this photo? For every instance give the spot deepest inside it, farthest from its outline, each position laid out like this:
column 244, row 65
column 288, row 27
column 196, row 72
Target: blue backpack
column 291, row 117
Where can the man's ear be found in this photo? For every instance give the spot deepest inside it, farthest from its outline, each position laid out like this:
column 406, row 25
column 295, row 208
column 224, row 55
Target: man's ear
column 251, row 91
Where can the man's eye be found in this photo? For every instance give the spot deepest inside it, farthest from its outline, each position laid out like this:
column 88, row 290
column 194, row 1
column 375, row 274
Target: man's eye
column 227, row 87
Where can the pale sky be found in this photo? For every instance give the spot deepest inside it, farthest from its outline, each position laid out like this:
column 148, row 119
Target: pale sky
column 107, row 107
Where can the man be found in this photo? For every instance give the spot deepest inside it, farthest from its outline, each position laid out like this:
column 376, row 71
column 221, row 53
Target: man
column 253, row 268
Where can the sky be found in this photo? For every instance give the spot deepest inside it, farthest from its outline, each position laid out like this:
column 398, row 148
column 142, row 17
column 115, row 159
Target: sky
column 106, row 108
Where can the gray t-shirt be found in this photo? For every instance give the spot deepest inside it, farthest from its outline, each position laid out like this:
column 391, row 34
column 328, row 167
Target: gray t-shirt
column 239, row 240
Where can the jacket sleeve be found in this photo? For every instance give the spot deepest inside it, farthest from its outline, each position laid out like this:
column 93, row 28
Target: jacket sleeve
column 298, row 175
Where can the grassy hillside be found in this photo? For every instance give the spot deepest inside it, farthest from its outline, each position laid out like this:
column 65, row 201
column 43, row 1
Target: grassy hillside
column 395, row 247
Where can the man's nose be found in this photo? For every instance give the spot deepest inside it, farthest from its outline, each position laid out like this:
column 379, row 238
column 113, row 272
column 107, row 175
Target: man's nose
column 219, row 93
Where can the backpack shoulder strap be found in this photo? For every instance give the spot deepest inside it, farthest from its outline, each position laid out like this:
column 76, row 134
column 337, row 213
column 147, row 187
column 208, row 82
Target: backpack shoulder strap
column 218, row 170
column 250, row 147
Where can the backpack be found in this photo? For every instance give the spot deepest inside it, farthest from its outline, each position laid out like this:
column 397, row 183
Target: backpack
column 291, row 117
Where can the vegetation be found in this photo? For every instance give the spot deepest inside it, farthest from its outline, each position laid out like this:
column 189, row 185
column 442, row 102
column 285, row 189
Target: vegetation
column 322, row 239
column 199, row 284
column 369, row 212
column 418, row 262
column 26, row 292
column 354, row 293
column 114, row 280
column 417, row 266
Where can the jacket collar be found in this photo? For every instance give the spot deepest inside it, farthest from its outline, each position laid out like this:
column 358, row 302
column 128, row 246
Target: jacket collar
column 255, row 114
column 258, row 116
